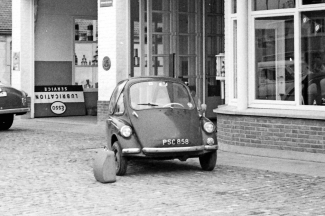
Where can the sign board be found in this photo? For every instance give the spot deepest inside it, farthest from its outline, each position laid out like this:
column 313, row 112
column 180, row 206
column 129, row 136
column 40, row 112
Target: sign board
column 16, row 61
column 106, row 63
column 106, row 3
column 59, row 101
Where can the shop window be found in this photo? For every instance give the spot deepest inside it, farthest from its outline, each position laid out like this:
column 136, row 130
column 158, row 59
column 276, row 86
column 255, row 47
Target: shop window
column 186, row 6
column 234, row 6
column 161, row 5
column 274, row 55
column 273, row 4
column 86, row 53
column 313, row 57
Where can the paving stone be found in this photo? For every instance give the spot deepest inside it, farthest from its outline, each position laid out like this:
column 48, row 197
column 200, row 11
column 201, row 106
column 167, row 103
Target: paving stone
column 46, row 169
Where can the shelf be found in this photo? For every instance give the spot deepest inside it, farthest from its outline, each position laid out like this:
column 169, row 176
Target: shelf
column 86, row 42
column 91, row 66
column 220, row 78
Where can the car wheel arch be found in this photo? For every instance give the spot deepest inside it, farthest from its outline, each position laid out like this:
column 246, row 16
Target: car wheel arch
column 113, row 140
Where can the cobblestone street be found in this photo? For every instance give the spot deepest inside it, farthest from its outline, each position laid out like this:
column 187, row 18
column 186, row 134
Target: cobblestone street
column 46, row 169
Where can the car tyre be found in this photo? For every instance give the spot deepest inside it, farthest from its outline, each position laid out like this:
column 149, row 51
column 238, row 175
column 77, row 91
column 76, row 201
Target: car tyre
column 6, row 121
column 208, row 161
column 120, row 161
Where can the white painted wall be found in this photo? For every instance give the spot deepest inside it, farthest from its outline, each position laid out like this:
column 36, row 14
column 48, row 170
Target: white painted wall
column 55, row 27
column 113, row 42
column 23, row 43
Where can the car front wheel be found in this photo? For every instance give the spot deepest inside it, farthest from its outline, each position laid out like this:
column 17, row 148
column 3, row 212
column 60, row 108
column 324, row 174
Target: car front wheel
column 120, row 161
column 6, row 121
column 208, row 161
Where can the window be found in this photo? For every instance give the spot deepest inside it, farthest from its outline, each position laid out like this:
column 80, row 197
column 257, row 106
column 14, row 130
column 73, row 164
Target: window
column 234, row 6
column 117, row 91
column 308, row 2
column 274, row 57
column 119, row 109
column 313, row 57
column 272, row 4
column 289, row 66
column 157, row 94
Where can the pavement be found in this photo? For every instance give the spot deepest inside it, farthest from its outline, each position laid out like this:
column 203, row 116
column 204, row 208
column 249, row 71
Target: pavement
column 46, row 169
column 227, row 158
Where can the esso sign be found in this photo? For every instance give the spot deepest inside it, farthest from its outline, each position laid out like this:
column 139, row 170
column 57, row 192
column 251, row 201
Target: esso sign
column 58, row 107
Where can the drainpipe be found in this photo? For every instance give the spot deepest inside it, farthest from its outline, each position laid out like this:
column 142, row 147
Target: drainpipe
column 242, row 53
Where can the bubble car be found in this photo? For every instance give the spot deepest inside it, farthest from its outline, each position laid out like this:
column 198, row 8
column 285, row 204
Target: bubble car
column 157, row 118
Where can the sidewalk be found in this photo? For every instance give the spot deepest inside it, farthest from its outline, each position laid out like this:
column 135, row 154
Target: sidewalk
column 224, row 157
column 271, row 164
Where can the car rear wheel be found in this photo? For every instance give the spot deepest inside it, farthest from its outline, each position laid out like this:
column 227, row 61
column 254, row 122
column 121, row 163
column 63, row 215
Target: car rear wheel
column 120, row 161
column 6, row 121
column 208, row 161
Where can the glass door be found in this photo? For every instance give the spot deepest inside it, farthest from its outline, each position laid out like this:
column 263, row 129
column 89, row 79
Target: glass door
column 214, row 50
column 165, row 39
column 187, row 44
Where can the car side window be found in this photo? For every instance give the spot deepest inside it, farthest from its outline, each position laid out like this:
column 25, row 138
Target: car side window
column 119, row 109
column 117, row 91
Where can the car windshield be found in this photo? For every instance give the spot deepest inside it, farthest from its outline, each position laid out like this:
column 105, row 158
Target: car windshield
column 160, row 94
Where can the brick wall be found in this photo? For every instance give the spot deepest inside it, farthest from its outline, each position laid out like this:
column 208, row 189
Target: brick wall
column 300, row 135
column 102, row 111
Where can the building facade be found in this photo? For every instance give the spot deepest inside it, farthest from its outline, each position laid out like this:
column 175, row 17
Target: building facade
column 275, row 79
column 95, row 44
column 271, row 82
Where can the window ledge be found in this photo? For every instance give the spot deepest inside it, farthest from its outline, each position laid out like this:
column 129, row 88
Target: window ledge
column 279, row 113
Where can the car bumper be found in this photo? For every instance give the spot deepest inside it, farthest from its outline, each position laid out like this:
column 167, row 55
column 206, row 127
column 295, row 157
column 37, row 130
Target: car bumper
column 15, row 111
column 148, row 150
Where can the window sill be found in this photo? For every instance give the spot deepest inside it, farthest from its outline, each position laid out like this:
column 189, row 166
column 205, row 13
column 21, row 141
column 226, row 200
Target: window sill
column 279, row 113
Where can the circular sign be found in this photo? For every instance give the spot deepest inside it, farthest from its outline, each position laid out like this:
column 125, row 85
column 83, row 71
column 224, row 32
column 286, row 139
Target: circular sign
column 58, row 108
column 106, row 63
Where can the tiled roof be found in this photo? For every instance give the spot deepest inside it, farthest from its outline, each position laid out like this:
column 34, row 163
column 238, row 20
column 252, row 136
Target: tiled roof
column 5, row 15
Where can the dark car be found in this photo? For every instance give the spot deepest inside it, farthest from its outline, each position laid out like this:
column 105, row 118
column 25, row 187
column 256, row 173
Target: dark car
column 12, row 102
column 157, row 118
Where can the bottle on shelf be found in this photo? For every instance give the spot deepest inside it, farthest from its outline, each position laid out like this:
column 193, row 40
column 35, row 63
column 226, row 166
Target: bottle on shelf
column 90, row 32
column 76, row 37
column 136, row 58
column 87, row 85
column 84, row 60
column 76, row 59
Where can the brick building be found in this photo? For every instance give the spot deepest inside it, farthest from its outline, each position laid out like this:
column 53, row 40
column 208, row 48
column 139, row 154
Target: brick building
column 275, row 79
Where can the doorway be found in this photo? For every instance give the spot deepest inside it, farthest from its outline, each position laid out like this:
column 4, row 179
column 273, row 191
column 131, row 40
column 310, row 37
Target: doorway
column 179, row 38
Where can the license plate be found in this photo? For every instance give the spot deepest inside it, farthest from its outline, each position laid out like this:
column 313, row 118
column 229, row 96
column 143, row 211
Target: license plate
column 3, row 94
column 175, row 142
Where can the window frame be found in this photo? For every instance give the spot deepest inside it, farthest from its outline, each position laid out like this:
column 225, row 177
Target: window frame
column 296, row 13
column 120, row 99
column 117, row 91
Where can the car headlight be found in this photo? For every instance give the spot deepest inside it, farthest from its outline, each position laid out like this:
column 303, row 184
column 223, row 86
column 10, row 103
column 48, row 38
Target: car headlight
column 208, row 127
column 126, row 131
